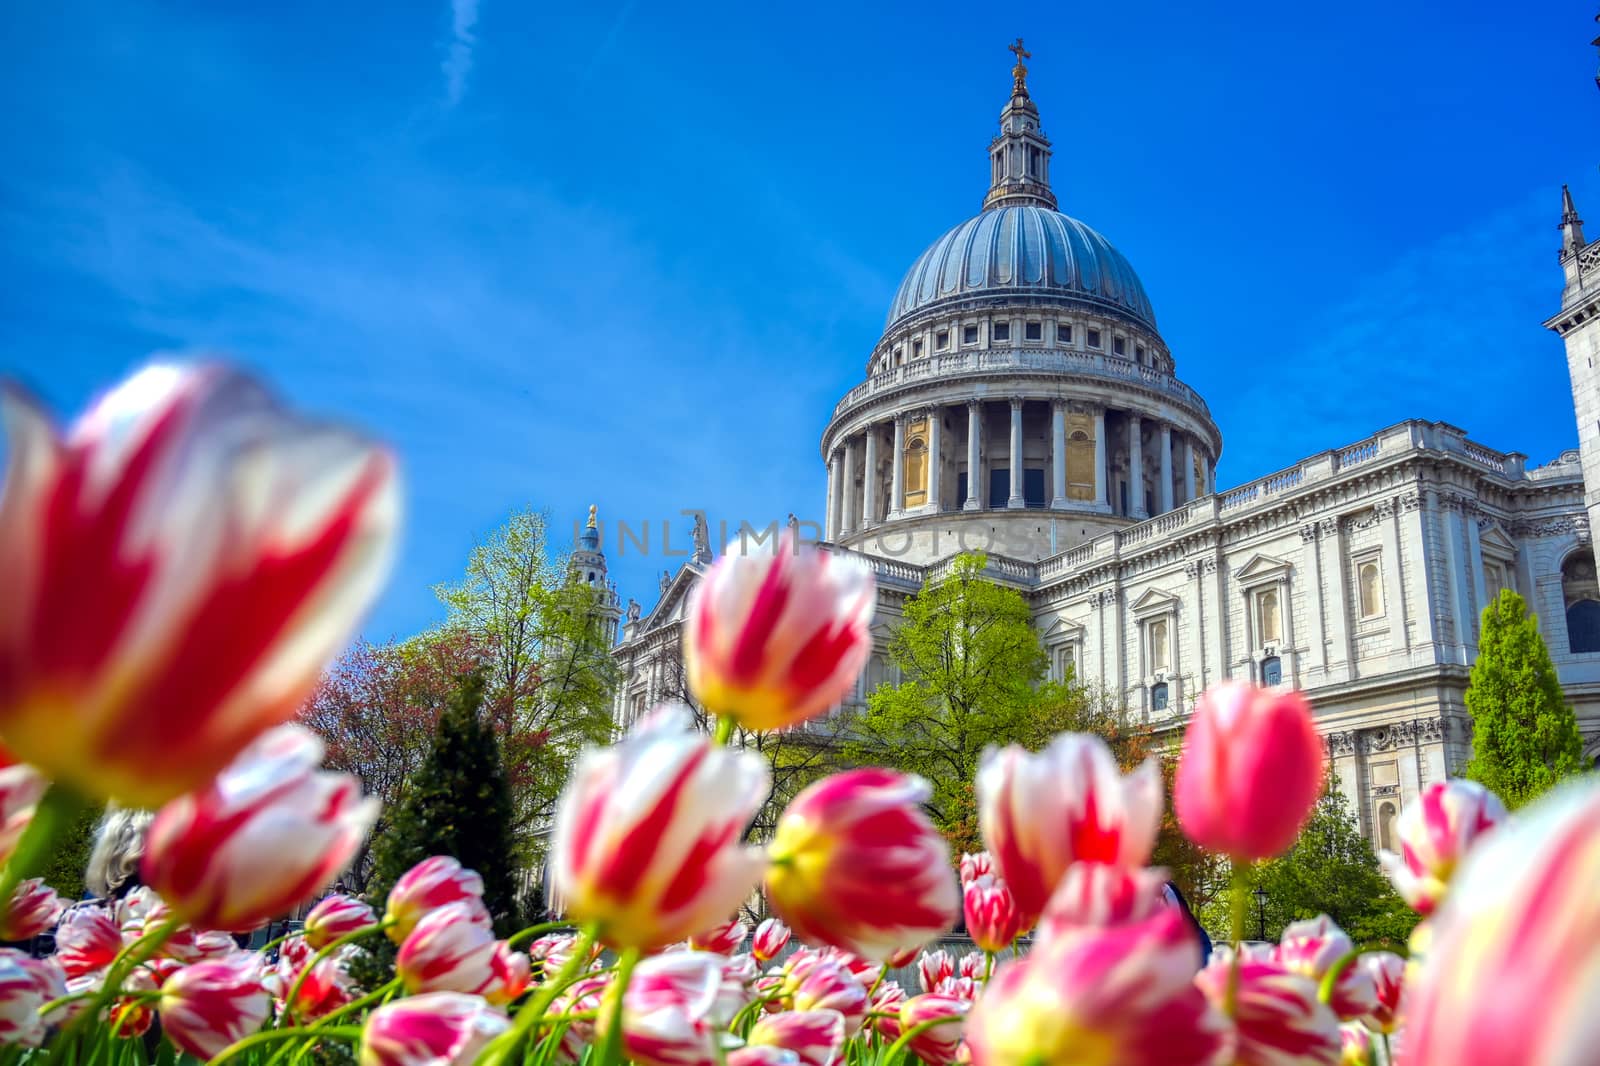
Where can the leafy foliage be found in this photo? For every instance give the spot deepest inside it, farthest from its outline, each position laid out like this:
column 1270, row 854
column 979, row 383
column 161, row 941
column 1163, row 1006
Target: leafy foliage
column 69, row 856
column 1525, row 738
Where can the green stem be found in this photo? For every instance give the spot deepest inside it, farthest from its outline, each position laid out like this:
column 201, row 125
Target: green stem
column 124, row 964
column 499, row 1049
column 753, row 1007
column 525, row 935
column 1240, row 901
column 267, row 1036
column 916, row 1030
column 988, row 965
column 724, row 730
column 56, row 810
column 293, row 999
column 278, row 942
column 355, row 1005
column 1388, row 1053
column 611, row 1046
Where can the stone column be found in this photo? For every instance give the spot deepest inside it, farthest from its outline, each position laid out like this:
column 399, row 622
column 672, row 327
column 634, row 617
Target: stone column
column 1311, row 569
column 835, row 485
column 848, row 519
column 1136, row 507
column 935, row 458
column 1100, row 458
column 1016, row 499
column 1188, row 467
column 1460, row 616
column 869, row 492
column 1475, row 567
column 1333, row 567
column 1164, row 490
column 1208, row 473
column 1058, row 453
column 897, row 480
column 974, row 499
column 1394, row 592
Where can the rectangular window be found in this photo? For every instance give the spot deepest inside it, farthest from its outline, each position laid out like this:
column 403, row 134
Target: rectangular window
column 1033, row 487
column 1001, row 331
column 898, row 358
column 1067, row 662
column 1063, row 332
column 916, row 348
column 969, row 334
column 941, row 340
column 1094, row 338
column 1033, row 331
column 999, row 486
column 1138, row 353
column 1119, row 346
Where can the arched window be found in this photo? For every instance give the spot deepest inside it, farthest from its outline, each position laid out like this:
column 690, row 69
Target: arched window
column 1080, row 466
column 1271, row 671
column 1267, row 616
column 916, row 469
column 1581, row 594
column 1371, row 581
column 1160, row 654
column 1158, row 696
column 1386, row 816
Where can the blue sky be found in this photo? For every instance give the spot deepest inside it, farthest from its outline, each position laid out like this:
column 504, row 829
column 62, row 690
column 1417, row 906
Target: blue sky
column 631, row 254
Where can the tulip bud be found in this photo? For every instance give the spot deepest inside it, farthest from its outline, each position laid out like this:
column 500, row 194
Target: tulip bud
column 1069, row 803
column 1093, row 894
column 1387, row 971
column 34, row 909
column 884, row 1010
column 229, row 548
column 975, row 865
column 899, row 960
column 209, row 1005
column 960, row 987
column 772, row 936
column 993, row 921
column 1435, row 833
column 325, row 987
column 447, row 952
column 429, row 885
column 1355, row 1045
column 772, row 640
column 510, row 975
column 1277, row 1015
column 816, row 1036
column 933, row 967
column 1313, row 948
column 436, row 1029
column 21, row 787
column 971, row 966
column 647, row 837
column 936, row 1046
column 721, row 939
column 1250, row 772
column 21, row 996
column 669, row 1011
column 828, row 985
column 856, row 864
column 87, row 940
column 336, row 916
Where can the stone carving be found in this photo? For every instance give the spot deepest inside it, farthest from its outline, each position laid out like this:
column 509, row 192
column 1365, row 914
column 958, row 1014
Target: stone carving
column 1341, row 743
column 1308, row 532
column 633, row 609
column 702, row 538
column 1430, row 730
column 666, row 580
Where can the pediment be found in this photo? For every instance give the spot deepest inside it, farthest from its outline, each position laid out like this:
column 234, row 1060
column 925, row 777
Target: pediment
column 1154, row 601
column 1261, row 568
column 1494, row 541
column 1063, row 630
column 675, row 601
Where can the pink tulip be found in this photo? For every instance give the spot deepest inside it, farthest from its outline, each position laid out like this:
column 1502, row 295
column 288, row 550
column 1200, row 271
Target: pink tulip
column 21, row 996
column 721, row 939
column 773, row 639
column 1312, row 948
column 1120, row 995
column 1093, row 894
column 1277, row 1016
column 885, row 1007
column 938, row 1045
column 933, row 967
column 176, row 570
column 1069, row 803
column 960, row 987
column 993, row 920
column 1355, row 1045
column 326, row 987
column 510, row 975
column 436, row 1029
column 856, row 864
column 447, row 952
column 268, row 834
column 209, row 1005
column 87, row 939
column 1513, row 970
column 899, row 960
column 816, row 1036
column 1251, row 770
column 427, row 886
column 648, row 833
column 830, row 986
column 772, row 936
column 1435, row 834
column 336, row 916
column 34, row 909
column 975, row 865
column 669, row 1013
column 584, row 996
column 1387, row 972
column 21, row 787
column 131, row 1016
column 762, row 1055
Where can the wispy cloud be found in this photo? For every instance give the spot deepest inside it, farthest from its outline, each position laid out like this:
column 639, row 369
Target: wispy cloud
column 458, row 57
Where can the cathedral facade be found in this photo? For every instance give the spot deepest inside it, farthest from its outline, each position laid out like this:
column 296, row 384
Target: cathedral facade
column 1022, row 402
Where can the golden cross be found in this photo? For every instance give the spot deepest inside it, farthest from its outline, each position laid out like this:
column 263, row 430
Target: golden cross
column 1018, row 51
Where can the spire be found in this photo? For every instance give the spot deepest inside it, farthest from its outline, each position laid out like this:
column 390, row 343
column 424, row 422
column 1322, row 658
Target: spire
column 1019, row 159
column 1571, row 225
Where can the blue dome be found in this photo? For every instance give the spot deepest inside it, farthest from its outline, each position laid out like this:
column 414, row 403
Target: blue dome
column 1022, row 250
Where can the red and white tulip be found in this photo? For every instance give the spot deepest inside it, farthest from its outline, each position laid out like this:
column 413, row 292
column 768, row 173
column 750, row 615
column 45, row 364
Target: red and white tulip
column 436, row 1029
column 669, row 1011
column 268, row 834
column 1277, row 1016
column 975, row 865
column 1355, row 1045
column 1314, row 947
column 432, row 883
column 1093, row 894
column 21, row 996
column 884, row 1010
column 933, row 967
column 1069, row 803
column 939, row 1044
column 177, row 568
column 510, row 975
column 992, row 918
column 648, row 837
column 829, row 985
column 775, row 638
column 815, row 1036
column 21, row 787
column 209, row 1005
column 1435, row 833
column 447, row 952
column 88, row 938
column 723, row 939
column 336, row 916
column 34, row 909
column 771, row 937
column 1388, row 973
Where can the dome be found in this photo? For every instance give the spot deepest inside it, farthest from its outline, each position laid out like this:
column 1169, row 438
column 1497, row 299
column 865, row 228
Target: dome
column 1022, row 250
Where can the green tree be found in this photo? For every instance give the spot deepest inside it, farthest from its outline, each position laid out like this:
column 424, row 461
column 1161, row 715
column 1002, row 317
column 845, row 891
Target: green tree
column 1525, row 738
column 70, row 858
column 458, row 803
column 972, row 675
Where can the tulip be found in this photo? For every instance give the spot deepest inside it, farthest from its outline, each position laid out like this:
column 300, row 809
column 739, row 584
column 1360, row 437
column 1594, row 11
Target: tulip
column 772, row 936
column 21, row 787
column 34, row 909
column 647, row 837
column 829, row 985
column 1387, row 972
column 993, row 920
column 1070, row 803
column 176, row 569
column 960, row 987
column 584, row 996
column 856, row 864
column 762, row 1055
column 975, row 865
column 430, row 884
column 669, row 1011
column 1312, row 948
column 772, row 640
column 209, row 1005
column 510, row 975
column 899, row 960
column 447, row 952
column 1122, row 995
column 972, row 966
column 268, row 834
column 131, row 1016
column 815, row 1036
column 20, row 999
column 1512, row 973
column 721, row 939
column 884, row 1010
column 1435, row 833
column 1250, row 772
column 325, row 986
column 335, row 916
column 87, row 940
column 938, row 1044
column 1093, row 894
column 437, row 1029
column 1277, row 1015
column 1355, row 1045
column 933, row 967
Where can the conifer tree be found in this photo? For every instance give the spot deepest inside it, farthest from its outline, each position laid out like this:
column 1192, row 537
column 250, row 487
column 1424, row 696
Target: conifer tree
column 457, row 804
column 1525, row 738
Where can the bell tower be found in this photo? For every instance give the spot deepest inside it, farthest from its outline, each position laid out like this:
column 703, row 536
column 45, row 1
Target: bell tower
column 1578, row 324
column 1019, row 159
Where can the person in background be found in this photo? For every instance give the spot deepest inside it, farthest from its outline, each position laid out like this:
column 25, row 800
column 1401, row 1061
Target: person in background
column 113, row 869
column 1174, row 898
